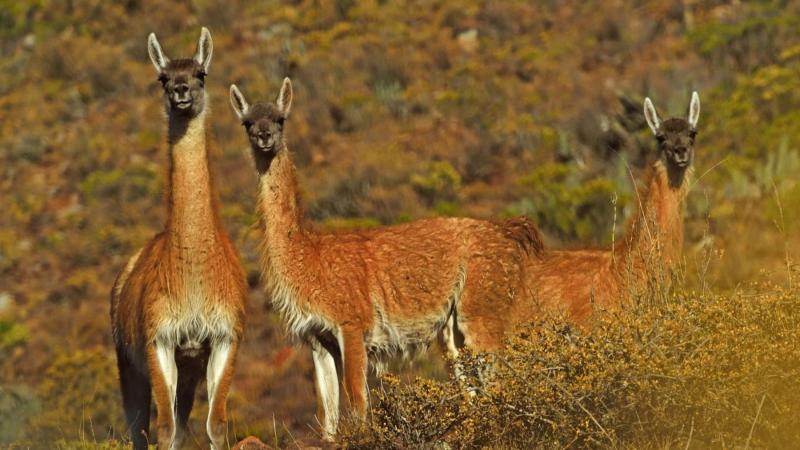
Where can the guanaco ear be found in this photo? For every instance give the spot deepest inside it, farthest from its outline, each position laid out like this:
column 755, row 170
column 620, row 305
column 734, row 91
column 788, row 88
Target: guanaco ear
column 156, row 55
column 651, row 116
column 205, row 47
column 240, row 106
column 694, row 110
column 285, row 98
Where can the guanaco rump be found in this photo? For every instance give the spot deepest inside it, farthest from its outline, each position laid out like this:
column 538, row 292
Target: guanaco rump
column 357, row 297
column 650, row 250
column 177, row 309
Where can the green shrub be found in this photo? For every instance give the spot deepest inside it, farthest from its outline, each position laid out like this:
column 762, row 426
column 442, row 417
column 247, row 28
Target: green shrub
column 564, row 204
column 12, row 333
column 348, row 223
column 80, row 398
column 440, row 181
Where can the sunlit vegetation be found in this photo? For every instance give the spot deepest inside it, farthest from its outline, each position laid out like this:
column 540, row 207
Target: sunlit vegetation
column 698, row 371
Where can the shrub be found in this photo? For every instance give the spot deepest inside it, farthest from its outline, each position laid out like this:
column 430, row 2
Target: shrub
column 440, row 182
column 17, row 403
column 565, row 204
column 80, row 398
column 11, row 334
column 702, row 371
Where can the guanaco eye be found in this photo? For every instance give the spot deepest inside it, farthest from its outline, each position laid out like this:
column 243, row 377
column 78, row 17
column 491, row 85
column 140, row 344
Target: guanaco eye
column 163, row 78
column 200, row 75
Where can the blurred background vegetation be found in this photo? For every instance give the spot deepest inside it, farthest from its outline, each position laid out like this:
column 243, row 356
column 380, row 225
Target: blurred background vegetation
column 403, row 110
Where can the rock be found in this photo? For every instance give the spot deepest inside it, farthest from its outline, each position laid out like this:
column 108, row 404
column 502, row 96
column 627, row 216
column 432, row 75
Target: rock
column 6, row 301
column 251, row 443
column 29, row 41
column 468, row 40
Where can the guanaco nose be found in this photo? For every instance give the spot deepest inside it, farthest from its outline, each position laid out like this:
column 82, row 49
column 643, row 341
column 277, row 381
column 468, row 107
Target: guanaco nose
column 681, row 154
column 263, row 137
column 182, row 89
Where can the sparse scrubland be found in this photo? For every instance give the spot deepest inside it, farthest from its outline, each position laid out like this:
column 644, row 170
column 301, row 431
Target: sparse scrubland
column 406, row 110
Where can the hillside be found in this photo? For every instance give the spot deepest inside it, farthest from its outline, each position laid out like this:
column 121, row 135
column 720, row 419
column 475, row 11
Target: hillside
column 402, row 110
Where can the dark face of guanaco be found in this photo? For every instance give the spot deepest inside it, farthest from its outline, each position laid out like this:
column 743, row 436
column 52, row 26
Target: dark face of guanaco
column 264, row 124
column 675, row 136
column 183, row 79
column 676, row 143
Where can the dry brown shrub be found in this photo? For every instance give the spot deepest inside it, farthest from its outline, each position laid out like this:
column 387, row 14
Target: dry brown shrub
column 697, row 371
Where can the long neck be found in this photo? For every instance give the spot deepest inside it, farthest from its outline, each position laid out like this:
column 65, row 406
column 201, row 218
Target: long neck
column 280, row 209
column 192, row 210
column 654, row 237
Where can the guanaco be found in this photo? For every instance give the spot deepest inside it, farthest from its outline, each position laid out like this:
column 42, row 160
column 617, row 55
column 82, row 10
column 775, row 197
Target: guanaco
column 357, row 297
column 177, row 308
column 581, row 281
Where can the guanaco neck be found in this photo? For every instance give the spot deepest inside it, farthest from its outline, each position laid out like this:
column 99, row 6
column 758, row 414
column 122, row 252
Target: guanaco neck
column 281, row 212
column 655, row 233
column 192, row 221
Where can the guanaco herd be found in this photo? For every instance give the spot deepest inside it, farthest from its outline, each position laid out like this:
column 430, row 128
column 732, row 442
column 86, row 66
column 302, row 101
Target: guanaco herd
column 355, row 298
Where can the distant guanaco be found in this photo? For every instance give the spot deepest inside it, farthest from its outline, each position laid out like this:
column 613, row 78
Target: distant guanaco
column 580, row 281
column 177, row 308
column 359, row 296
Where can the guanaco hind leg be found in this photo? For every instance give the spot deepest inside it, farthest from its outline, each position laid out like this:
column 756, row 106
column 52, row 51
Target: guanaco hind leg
column 327, row 383
column 449, row 336
column 135, row 399
column 188, row 378
column 164, row 380
column 219, row 374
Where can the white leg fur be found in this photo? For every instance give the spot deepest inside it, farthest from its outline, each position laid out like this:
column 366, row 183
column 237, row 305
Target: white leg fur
column 448, row 333
column 449, row 337
column 217, row 361
column 166, row 362
column 327, row 389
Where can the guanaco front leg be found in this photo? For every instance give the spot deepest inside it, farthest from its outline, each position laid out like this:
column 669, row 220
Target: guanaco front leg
column 164, row 381
column 219, row 375
column 354, row 355
column 327, row 384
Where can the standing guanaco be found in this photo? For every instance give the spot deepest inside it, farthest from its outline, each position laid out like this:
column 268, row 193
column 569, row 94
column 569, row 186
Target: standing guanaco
column 177, row 308
column 359, row 296
column 579, row 281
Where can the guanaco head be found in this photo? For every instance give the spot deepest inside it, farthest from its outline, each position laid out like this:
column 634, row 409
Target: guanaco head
column 675, row 135
column 264, row 123
column 183, row 79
